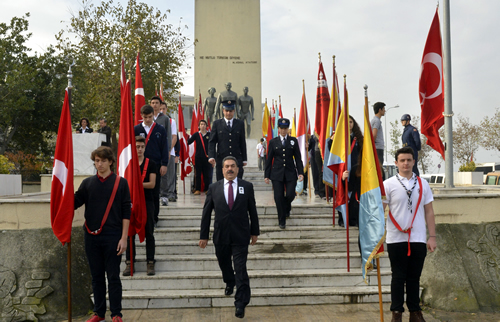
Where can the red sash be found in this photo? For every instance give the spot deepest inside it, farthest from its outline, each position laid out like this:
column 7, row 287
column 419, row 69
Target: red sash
column 353, row 144
column 408, row 231
column 145, row 169
column 108, row 208
column 149, row 134
column 203, row 144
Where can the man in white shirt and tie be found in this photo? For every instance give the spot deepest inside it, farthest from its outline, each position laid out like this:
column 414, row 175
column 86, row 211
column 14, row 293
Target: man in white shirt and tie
column 236, row 225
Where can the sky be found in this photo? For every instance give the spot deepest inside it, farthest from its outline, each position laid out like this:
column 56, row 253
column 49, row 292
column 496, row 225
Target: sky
column 377, row 43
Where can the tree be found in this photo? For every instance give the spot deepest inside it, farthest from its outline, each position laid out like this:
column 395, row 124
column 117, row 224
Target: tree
column 466, row 140
column 395, row 134
column 31, row 91
column 491, row 131
column 99, row 34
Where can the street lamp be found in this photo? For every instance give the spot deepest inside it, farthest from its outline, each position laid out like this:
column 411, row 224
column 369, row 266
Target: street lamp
column 385, row 125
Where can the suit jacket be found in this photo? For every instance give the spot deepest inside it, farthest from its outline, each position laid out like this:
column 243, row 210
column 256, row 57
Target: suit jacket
column 230, row 226
column 284, row 166
column 158, row 147
column 164, row 120
column 229, row 143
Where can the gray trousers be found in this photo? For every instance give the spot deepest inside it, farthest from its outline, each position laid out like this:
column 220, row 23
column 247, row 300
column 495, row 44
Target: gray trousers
column 167, row 186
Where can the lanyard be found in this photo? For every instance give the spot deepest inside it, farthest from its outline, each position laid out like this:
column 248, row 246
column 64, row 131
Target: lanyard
column 145, row 169
column 149, row 134
column 408, row 192
column 203, row 144
column 408, row 231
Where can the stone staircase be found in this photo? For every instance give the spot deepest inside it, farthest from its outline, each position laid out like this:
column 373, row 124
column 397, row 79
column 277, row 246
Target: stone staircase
column 304, row 264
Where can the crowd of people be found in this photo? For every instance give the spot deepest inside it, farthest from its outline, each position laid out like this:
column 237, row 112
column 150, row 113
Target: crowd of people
column 107, row 199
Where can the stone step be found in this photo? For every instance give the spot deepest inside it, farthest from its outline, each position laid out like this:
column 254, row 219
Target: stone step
column 264, row 220
column 158, row 299
column 291, row 232
column 314, row 209
column 196, row 280
column 207, row 261
column 263, row 246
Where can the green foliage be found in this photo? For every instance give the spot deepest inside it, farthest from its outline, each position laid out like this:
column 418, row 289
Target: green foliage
column 5, row 165
column 98, row 34
column 468, row 167
column 31, row 91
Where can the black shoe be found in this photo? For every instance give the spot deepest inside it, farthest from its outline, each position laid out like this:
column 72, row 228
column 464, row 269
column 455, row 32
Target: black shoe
column 240, row 312
column 229, row 290
column 282, row 226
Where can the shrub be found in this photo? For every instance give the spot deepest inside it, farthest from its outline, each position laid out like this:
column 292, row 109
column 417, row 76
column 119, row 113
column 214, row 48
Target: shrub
column 468, row 167
column 5, row 165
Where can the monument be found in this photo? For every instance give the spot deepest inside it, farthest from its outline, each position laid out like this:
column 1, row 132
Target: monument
column 228, row 49
column 246, row 109
column 209, row 105
column 228, row 94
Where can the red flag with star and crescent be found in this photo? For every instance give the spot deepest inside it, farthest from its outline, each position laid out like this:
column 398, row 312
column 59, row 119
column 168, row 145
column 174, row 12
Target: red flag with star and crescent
column 62, row 198
column 140, row 100
column 431, row 88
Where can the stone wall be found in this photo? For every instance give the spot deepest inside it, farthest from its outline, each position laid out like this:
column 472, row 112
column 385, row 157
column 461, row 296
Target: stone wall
column 33, row 276
column 463, row 274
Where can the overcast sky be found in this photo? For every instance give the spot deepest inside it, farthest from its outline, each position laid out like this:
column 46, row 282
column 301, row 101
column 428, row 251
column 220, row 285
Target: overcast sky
column 378, row 43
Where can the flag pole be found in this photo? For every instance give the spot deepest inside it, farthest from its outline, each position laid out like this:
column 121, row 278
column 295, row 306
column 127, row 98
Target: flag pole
column 346, row 146
column 70, row 86
column 131, row 237
column 448, row 108
column 379, row 279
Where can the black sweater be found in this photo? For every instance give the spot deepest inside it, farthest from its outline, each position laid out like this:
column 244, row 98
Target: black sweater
column 95, row 195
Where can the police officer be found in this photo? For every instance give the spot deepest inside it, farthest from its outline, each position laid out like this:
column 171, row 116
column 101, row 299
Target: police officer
column 228, row 134
column 282, row 169
column 411, row 138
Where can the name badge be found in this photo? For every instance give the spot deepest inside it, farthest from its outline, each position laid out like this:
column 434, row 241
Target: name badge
column 242, row 190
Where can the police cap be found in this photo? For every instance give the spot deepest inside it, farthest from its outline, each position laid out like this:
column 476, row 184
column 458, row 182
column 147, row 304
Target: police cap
column 284, row 123
column 228, row 104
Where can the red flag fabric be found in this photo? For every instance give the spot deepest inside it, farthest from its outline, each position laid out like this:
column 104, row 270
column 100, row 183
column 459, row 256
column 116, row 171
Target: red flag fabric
column 431, row 88
column 322, row 108
column 281, row 112
column 194, row 119
column 184, row 149
column 140, row 100
column 128, row 166
column 273, row 116
column 200, row 109
column 62, row 198
column 123, row 77
column 161, row 90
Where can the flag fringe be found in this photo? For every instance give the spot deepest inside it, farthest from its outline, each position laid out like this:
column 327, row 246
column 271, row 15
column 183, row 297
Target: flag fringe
column 374, row 255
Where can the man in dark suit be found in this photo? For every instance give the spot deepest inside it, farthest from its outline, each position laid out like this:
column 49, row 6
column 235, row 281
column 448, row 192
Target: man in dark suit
column 282, row 169
column 236, row 225
column 228, row 134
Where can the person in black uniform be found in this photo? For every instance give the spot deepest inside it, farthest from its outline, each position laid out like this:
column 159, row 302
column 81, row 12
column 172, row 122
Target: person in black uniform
column 236, row 224
column 228, row 134
column 201, row 165
column 283, row 171
column 411, row 138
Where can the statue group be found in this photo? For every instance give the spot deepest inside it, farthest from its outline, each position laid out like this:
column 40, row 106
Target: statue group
column 244, row 105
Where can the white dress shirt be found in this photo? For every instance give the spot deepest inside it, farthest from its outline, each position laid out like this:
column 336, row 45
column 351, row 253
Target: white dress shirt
column 226, row 188
column 146, row 128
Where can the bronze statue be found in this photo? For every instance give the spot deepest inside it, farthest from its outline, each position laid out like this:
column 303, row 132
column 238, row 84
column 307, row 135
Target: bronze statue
column 228, row 94
column 246, row 109
column 209, row 105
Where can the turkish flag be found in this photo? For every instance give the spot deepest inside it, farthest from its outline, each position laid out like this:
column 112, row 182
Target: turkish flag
column 431, row 88
column 184, row 149
column 128, row 166
column 140, row 100
column 62, row 199
column 322, row 108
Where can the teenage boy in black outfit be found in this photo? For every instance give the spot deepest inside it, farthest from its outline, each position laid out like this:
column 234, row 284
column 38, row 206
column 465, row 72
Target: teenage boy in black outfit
column 201, row 164
column 148, row 170
column 157, row 148
column 105, row 240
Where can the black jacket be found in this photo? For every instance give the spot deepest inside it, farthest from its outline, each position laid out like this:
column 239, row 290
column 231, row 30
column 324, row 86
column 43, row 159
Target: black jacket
column 158, row 147
column 230, row 226
column 284, row 166
column 229, row 143
column 201, row 149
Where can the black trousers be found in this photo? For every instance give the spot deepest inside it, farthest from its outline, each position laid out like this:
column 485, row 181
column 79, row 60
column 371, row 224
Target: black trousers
column 150, row 238
column 156, row 193
column 380, row 155
column 321, row 186
column 202, row 167
column 239, row 275
column 218, row 170
column 104, row 261
column 415, row 167
column 284, row 201
column 406, row 270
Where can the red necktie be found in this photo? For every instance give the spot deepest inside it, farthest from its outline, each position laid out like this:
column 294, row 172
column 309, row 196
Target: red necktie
column 230, row 195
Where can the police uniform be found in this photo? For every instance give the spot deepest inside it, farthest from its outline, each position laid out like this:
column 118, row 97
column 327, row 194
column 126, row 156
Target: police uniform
column 411, row 138
column 282, row 169
column 230, row 141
